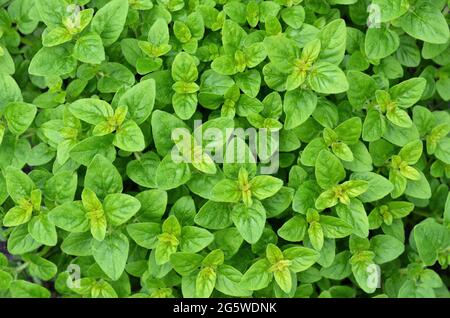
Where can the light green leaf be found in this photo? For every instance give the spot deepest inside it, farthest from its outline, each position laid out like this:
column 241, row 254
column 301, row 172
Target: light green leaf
column 111, row 254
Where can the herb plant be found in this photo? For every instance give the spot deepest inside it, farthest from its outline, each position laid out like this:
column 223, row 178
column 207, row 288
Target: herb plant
column 111, row 185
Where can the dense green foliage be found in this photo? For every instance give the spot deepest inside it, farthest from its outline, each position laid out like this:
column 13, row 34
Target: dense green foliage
column 95, row 203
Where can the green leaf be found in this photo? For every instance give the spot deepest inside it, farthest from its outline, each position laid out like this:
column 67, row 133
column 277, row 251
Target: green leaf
column 153, row 204
column 327, row 78
column 185, row 105
column 51, row 12
column 294, row 229
column 70, row 216
column 42, row 230
column 442, row 88
column 19, row 184
column 56, row 36
column 19, row 116
column 21, row 242
column 92, row 111
column 163, row 124
column 293, row 16
column 340, row 268
column 62, row 61
column 329, row 170
column 408, row 92
column 316, row 236
column 391, row 9
column 363, row 272
column 17, row 216
column 425, row 22
column 140, row 100
column 86, row 150
column 249, row 82
column 334, row 227
column 266, row 149
column 349, row 131
column 114, row 76
column 224, row 65
column 61, row 188
column 111, row 254
column 24, row 289
column 228, row 279
column 119, row 208
column 333, row 39
column 204, row 285
column 89, row 49
column 143, row 170
column 411, row 289
column 312, row 150
column 102, row 177
column 257, row 276
column 40, row 267
column 10, row 89
column 431, row 238
column 361, row 90
column 171, row 174
column 419, row 189
column 7, row 63
column 109, row 21
column 378, row 188
column 362, row 161
column 129, row 137
column 249, row 220
column 283, row 279
column 282, row 52
column 226, row 190
column 273, row 254
column 5, row 280
column 399, row 117
column 355, row 215
column 159, row 33
column 302, row 258
column 381, row 42
column 78, row 244
column 184, row 68
column 194, row 239
column 263, row 187
column 144, row 234
column 214, row 215
column 185, row 263
column 386, row 248
column 443, row 150
column 298, row 106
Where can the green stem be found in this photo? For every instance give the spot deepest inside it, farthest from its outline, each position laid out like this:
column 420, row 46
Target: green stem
column 26, row 42
column 20, row 269
column 426, row 215
column 137, row 155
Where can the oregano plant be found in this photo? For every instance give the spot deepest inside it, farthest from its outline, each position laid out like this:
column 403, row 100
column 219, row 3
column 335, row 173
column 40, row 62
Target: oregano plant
column 224, row 148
